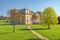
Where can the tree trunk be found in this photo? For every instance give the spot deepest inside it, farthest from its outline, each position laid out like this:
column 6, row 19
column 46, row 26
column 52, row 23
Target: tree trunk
column 48, row 26
column 13, row 27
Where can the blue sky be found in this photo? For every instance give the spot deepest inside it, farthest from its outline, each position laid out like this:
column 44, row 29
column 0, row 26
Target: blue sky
column 34, row 5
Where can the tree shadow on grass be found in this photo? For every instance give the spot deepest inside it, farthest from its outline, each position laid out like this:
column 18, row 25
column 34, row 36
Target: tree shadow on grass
column 33, row 39
column 36, row 29
column 58, row 39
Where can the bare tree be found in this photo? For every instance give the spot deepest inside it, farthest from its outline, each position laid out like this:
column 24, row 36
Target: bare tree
column 13, row 14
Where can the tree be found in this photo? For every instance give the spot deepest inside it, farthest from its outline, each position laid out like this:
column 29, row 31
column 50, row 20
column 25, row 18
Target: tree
column 49, row 16
column 58, row 19
column 1, row 17
column 14, row 15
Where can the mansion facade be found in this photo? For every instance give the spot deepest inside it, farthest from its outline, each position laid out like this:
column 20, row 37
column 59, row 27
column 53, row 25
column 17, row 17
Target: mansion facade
column 25, row 16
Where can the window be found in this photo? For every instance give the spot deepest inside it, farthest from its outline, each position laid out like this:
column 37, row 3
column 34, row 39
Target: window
column 27, row 16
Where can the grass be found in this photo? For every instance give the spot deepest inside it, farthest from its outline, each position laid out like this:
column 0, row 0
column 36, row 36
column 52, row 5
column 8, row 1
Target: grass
column 4, row 22
column 7, row 34
column 52, row 34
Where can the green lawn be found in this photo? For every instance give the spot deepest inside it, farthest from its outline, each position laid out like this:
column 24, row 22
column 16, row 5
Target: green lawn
column 4, row 22
column 53, row 33
column 7, row 34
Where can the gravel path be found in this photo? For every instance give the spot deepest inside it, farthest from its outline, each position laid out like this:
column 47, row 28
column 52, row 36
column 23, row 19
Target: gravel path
column 37, row 34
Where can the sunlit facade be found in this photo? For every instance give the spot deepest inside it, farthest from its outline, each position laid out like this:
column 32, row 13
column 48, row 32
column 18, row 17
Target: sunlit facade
column 25, row 16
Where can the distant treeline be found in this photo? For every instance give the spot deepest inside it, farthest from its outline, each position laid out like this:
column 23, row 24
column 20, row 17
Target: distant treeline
column 59, row 19
column 4, row 17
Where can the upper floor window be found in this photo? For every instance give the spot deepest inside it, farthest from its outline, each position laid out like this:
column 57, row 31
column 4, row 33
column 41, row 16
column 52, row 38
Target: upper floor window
column 27, row 12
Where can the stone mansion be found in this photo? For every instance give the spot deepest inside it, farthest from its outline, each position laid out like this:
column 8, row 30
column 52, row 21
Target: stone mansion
column 25, row 16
